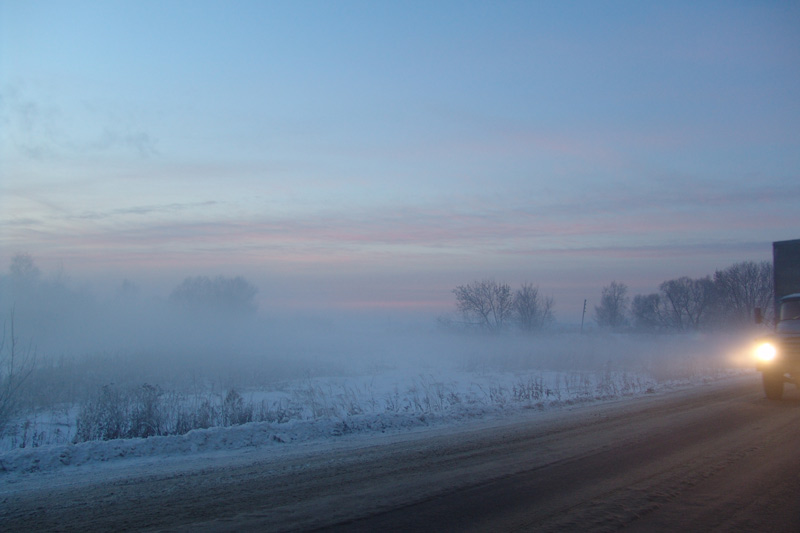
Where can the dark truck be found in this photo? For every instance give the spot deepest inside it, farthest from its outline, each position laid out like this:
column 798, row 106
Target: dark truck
column 778, row 355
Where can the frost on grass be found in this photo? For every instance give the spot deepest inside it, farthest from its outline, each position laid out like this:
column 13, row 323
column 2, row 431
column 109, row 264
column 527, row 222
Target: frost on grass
column 470, row 379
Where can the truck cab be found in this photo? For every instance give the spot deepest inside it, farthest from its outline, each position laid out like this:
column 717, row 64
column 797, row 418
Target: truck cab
column 778, row 355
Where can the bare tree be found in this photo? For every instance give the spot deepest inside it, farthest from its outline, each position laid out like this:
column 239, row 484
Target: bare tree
column 687, row 301
column 233, row 296
column 649, row 312
column 532, row 311
column 741, row 288
column 485, row 304
column 15, row 368
column 23, row 270
column 613, row 309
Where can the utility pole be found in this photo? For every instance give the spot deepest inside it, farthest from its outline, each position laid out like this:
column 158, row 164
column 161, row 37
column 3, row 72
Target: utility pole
column 583, row 315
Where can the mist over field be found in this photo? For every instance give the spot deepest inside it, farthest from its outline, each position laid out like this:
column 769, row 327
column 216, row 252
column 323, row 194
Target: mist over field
column 301, row 237
column 128, row 336
column 85, row 364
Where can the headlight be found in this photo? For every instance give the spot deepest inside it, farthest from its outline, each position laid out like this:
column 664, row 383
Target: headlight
column 766, row 352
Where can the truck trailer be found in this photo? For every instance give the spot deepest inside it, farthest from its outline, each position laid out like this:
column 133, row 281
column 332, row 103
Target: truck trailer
column 778, row 354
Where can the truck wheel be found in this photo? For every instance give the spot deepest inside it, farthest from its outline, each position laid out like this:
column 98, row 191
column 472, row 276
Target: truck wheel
column 773, row 385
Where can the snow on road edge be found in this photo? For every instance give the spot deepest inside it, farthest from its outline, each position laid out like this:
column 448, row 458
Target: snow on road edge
column 255, row 435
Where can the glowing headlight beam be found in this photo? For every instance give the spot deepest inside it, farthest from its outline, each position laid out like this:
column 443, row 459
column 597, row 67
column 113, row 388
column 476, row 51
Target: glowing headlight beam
column 766, row 352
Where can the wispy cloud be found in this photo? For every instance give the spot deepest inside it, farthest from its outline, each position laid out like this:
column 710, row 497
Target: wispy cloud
column 40, row 129
column 143, row 210
column 647, row 225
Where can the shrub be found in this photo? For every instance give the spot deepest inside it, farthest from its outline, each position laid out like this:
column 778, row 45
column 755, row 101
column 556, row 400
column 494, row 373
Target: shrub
column 146, row 411
column 104, row 417
column 234, row 411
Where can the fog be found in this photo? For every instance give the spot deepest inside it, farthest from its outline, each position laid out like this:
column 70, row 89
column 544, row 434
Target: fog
column 129, row 333
column 204, row 342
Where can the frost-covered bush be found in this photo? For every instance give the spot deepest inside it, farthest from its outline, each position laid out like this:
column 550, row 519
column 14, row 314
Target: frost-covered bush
column 117, row 413
column 147, row 417
column 147, row 411
column 234, row 410
column 104, row 417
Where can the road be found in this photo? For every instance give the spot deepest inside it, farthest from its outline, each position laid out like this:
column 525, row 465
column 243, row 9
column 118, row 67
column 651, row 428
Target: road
column 716, row 457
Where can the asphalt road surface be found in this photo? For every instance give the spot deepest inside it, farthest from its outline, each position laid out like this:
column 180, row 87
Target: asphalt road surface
column 717, row 457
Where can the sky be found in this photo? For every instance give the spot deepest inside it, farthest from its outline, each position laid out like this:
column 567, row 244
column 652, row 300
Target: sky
column 374, row 155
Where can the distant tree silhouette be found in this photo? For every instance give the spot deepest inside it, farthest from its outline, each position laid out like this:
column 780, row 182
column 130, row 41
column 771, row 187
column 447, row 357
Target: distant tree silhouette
column 613, row 309
column 742, row 287
column 647, row 312
column 485, row 304
column 687, row 301
column 531, row 310
column 22, row 270
column 230, row 296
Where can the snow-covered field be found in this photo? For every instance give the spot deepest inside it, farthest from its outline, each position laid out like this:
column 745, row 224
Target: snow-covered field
column 389, row 387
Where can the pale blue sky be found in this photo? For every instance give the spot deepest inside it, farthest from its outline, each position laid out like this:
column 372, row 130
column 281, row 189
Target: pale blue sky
column 380, row 153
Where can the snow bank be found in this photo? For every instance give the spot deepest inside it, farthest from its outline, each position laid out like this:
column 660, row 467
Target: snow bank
column 498, row 396
column 386, row 399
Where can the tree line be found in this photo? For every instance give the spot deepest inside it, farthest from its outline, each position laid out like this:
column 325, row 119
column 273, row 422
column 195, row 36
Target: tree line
column 491, row 306
column 30, row 293
column 38, row 310
column 725, row 300
column 682, row 304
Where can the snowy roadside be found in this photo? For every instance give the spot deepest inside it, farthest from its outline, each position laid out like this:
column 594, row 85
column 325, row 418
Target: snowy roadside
column 609, row 447
column 471, row 400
